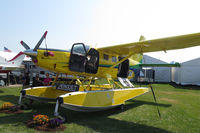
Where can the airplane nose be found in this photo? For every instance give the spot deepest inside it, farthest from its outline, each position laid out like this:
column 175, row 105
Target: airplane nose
column 30, row 52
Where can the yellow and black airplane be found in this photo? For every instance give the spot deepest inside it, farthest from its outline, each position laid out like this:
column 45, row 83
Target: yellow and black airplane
column 110, row 63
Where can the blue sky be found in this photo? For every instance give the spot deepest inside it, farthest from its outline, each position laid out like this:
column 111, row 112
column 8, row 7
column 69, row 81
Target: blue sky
column 28, row 20
column 98, row 23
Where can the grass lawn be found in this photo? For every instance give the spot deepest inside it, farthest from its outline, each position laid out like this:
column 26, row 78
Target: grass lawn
column 179, row 107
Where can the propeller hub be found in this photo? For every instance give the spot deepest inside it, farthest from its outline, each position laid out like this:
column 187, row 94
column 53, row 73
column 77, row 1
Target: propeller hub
column 30, row 52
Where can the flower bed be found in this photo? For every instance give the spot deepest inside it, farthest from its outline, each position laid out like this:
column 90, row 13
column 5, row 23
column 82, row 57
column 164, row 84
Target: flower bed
column 42, row 123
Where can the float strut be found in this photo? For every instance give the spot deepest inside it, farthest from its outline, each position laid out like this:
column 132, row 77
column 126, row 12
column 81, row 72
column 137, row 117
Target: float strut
column 20, row 99
column 56, row 112
column 56, row 108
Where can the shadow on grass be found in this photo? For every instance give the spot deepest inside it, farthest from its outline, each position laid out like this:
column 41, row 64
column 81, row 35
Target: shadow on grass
column 98, row 121
column 9, row 98
column 188, row 87
column 105, row 124
column 17, row 119
column 20, row 119
column 134, row 103
column 1, row 91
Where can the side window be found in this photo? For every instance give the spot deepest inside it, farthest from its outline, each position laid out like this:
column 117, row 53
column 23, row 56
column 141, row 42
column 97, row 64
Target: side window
column 114, row 59
column 105, row 56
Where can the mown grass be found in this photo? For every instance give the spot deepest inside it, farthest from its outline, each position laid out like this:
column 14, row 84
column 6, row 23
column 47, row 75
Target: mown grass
column 179, row 107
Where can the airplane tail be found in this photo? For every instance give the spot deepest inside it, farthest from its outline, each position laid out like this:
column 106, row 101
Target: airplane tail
column 142, row 38
column 137, row 58
column 17, row 60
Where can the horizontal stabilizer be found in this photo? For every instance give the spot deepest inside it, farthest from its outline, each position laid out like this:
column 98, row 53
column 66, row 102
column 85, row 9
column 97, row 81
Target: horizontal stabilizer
column 160, row 65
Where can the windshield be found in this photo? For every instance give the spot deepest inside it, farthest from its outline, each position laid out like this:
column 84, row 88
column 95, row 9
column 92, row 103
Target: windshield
column 79, row 48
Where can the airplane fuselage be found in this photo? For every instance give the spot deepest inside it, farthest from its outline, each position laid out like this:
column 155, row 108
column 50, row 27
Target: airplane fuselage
column 91, row 63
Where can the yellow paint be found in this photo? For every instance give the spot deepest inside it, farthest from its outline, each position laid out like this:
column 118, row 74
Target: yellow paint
column 61, row 61
column 45, row 92
column 103, row 98
column 52, row 92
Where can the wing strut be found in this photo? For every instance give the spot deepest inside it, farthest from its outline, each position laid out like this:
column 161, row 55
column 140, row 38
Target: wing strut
column 155, row 100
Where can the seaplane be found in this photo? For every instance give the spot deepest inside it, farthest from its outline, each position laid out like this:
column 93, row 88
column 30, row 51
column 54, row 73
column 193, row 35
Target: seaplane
column 114, row 65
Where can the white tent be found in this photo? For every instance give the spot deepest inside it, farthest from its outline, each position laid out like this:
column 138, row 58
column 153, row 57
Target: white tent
column 188, row 73
column 162, row 74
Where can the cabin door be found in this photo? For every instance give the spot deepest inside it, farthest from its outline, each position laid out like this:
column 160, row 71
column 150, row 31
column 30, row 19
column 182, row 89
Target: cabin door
column 77, row 60
column 92, row 62
column 123, row 69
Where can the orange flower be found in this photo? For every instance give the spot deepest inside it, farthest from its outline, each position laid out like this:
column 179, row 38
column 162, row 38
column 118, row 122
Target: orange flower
column 40, row 119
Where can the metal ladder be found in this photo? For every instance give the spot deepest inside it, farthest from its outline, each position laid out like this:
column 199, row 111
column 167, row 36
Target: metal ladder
column 125, row 82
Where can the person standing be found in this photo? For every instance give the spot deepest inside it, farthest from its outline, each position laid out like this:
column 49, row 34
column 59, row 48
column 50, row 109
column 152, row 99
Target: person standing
column 47, row 80
column 36, row 81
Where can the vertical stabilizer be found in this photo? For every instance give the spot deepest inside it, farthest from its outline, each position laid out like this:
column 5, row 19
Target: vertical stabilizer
column 17, row 60
column 142, row 38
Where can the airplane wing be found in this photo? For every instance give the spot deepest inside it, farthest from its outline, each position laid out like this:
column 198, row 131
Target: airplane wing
column 163, row 44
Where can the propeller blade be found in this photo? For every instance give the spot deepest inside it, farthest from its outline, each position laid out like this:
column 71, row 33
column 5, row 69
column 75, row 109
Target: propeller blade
column 40, row 41
column 25, row 45
column 155, row 100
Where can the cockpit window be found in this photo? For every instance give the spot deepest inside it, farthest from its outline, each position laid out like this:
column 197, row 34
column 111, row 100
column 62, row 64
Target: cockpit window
column 79, row 48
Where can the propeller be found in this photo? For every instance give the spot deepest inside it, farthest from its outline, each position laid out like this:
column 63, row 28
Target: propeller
column 33, row 52
column 155, row 100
